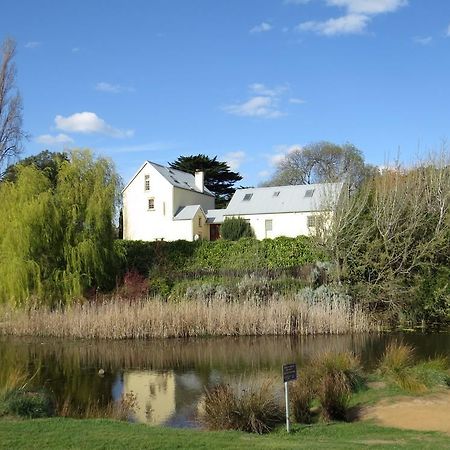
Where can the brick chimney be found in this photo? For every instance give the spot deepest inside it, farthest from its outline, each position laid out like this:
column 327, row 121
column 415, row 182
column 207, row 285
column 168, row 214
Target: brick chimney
column 200, row 180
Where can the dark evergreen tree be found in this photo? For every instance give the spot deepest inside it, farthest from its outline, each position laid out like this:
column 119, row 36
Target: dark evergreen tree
column 219, row 179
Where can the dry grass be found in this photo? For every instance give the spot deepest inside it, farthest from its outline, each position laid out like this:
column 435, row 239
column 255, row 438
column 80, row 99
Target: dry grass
column 154, row 318
column 253, row 408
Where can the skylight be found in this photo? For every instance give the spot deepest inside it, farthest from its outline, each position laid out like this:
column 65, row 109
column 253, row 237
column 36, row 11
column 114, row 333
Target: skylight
column 247, row 197
column 276, row 193
column 309, row 193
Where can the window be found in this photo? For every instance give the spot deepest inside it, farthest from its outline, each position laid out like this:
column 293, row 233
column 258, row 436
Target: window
column 276, row 193
column 147, row 182
column 269, row 225
column 314, row 221
column 199, row 221
column 247, row 197
column 309, row 193
column 151, row 204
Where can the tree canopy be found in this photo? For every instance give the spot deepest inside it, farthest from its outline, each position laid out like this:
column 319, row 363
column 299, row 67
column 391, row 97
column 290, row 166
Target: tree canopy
column 219, row 179
column 45, row 161
column 322, row 162
column 56, row 240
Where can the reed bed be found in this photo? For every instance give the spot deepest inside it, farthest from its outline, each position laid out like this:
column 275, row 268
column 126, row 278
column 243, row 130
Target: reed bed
column 156, row 318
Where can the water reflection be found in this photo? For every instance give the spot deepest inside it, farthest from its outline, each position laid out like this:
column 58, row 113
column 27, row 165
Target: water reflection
column 168, row 377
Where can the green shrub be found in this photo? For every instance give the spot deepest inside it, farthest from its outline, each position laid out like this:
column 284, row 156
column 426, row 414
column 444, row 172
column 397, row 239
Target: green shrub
column 236, row 228
column 29, row 404
column 160, row 286
column 254, row 409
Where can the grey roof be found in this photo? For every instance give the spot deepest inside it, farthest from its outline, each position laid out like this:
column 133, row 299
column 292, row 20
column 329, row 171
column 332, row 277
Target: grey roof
column 215, row 215
column 179, row 179
column 284, row 199
column 187, row 212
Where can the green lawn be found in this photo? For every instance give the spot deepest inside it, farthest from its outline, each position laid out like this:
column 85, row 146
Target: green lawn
column 59, row 433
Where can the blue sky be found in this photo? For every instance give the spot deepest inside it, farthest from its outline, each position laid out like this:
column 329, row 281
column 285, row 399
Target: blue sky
column 242, row 79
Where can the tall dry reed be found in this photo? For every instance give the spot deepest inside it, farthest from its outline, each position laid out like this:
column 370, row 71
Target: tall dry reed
column 154, row 318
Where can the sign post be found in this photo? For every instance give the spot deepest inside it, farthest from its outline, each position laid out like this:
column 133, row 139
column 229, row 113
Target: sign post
column 289, row 374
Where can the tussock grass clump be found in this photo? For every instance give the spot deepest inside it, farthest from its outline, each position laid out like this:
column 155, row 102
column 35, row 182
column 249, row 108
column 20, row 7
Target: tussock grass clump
column 29, row 404
column 338, row 375
column 399, row 366
column 253, row 408
column 302, row 393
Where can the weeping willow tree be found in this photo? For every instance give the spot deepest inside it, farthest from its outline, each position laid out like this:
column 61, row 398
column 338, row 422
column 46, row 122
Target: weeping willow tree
column 56, row 240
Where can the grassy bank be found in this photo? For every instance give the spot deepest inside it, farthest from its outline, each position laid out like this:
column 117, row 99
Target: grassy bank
column 154, row 318
column 93, row 434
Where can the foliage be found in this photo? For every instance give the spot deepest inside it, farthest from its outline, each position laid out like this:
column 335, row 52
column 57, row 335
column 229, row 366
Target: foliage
column 398, row 365
column 11, row 133
column 219, row 179
column 30, row 404
column 391, row 242
column 218, row 256
column 302, row 394
column 254, row 408
column 47, row 162
column 57, row 241
column 322, row 162
column 236, row 228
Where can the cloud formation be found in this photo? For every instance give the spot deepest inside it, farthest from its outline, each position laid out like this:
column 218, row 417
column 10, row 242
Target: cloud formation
column 89, row 123
column 425, row 40
column 264, row 102
column 56, row 140
column 234, row 159
column 110, row 88
column 358, row 15
column 261, row 28
column 33, row 44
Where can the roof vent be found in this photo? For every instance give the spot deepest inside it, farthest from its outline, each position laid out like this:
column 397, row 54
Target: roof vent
column 247, row 197
column 309, row 193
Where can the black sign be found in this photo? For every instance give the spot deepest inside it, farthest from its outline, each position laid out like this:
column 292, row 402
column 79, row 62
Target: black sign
column 289, row 372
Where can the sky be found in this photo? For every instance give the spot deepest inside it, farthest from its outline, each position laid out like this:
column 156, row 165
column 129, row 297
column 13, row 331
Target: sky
column 244, row 80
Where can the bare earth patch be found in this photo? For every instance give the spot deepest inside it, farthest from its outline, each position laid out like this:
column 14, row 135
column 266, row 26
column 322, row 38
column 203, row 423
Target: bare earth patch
column 430, row 413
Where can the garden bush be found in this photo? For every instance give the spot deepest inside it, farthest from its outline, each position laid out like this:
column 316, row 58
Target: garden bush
column 236, row 228
column 29, row 404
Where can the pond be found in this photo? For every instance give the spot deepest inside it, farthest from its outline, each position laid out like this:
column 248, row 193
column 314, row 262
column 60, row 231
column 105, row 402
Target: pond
column 169, row 376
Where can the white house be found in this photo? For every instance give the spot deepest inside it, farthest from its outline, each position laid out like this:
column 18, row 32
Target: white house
column 160, row 203
column 281, row 210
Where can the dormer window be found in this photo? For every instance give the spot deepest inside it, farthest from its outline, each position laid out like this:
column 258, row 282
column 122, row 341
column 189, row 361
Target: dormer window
column 147, row 182
column 247, row 197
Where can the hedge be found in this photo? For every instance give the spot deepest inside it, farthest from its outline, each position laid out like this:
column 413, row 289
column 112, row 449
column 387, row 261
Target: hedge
column 183, row 256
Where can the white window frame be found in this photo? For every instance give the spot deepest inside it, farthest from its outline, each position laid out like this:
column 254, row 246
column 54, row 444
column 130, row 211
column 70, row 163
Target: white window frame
column 151, row 199
column 146, row 182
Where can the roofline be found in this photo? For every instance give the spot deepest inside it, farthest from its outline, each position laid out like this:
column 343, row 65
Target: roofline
column 278, row 212
column 135, row 175
column 291, row 186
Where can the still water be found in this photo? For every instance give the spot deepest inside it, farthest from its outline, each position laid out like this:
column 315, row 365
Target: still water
column 169, row 377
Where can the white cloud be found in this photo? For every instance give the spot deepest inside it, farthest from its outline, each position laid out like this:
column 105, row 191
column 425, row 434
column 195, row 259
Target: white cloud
column 297, row 101
column 258, row 106
column 261, row 28
column 349, row 24
column 425, row 40
column 56, row 140
column 103, row 86
column 33, row 44
column 262, row 89
column 263, row 174
column 234, row 159
column 369, row 7
column 89, row 123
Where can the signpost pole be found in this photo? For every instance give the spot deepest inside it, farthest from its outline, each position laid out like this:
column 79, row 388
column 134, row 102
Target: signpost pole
column 287, row 404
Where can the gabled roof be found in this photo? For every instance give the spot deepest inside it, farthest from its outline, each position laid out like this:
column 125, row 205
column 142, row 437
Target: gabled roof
column 177, row 178
column 215, row 215
column 284, row 199
column 188, row 212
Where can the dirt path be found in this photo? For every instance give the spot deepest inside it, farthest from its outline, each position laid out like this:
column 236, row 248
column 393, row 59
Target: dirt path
column 430, row 413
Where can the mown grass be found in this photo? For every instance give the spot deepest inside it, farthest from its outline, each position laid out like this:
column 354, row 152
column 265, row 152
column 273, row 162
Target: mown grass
column 102, row 434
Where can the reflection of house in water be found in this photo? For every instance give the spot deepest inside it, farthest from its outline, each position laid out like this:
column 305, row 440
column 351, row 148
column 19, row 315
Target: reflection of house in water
column 155, row 395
